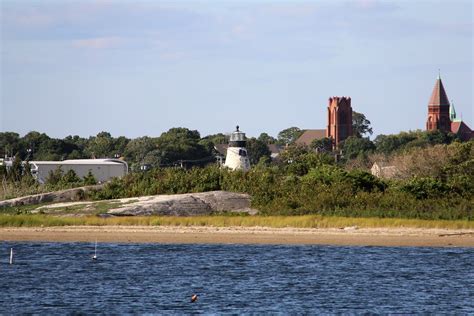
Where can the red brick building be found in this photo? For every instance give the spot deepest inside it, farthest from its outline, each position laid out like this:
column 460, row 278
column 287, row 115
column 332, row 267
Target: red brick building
column 339, row 123
column 438, row 109
column 339, row 119
column 442, row 115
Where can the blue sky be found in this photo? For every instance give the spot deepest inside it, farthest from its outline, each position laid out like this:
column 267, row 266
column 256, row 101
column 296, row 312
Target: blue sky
column 138, row 68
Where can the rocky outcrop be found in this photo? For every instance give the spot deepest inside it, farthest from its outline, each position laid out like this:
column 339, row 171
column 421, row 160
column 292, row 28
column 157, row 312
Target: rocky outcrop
column 69, row 195
column 190, row 204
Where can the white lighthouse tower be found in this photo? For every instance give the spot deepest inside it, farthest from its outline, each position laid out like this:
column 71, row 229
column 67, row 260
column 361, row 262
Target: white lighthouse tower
column 237, row 158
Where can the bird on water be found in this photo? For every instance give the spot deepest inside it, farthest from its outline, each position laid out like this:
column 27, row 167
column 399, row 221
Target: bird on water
column 194, row 298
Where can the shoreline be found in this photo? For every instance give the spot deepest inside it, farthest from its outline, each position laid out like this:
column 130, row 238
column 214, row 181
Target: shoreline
column 349, row 236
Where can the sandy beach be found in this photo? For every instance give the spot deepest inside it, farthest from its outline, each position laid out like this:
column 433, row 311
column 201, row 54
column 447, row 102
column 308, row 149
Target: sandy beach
column 244, row 235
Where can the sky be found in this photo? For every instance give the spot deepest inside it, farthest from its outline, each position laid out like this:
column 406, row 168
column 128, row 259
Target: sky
column 139, row 68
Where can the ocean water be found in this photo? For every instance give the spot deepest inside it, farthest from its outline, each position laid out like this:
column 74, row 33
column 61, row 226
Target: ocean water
column 61, row 278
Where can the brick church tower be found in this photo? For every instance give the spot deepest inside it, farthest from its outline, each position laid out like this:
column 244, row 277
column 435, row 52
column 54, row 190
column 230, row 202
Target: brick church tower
column 339, row 119
column 438, row 109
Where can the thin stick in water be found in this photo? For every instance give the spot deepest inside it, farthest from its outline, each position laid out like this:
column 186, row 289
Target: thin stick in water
column 94, row 257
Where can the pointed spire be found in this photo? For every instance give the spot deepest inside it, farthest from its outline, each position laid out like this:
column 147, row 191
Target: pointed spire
column 452, row 112
column 438, row 96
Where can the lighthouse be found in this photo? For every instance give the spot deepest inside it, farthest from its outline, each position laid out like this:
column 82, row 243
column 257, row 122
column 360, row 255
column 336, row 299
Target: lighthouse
column 237, row 158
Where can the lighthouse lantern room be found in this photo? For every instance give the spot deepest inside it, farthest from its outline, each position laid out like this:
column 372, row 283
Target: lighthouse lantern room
column 237, row 158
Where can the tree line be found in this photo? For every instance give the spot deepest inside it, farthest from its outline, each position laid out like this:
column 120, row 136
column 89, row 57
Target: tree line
column 314, row 183
column 435, row 176
column 172, row 147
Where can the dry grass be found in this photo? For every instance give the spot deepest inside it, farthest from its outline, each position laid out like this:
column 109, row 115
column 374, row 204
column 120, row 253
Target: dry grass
column 307, row 221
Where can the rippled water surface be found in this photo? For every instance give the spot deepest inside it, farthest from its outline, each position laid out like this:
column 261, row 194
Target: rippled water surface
column 59, row 278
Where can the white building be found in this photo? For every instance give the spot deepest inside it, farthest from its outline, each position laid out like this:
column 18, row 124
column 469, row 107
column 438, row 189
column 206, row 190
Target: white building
column 102, row 169
column 237, row 157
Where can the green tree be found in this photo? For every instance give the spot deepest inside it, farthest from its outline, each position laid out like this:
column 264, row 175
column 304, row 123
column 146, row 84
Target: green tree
column 322, row 145
column 27, row 178
column 256, row 150
column 78, row 147
column 181, row 144
column 38, row 144
column 360, row 125
column 16, row 170
column 298, row 160
column 3, row 172
column 439, row 137
column 54, row 176
column 119, row 146
column 386, row 144
column 89, row 179
column 10, row 144
column 70, row 177
column 207, row 144
column 153, row 158
column 217, row 138
column 101, row 146
column 138, row 148
column 289, row 136
column 355, row 146
column 267, row 139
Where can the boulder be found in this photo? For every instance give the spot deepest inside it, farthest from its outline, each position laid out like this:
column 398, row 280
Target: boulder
column 190, row 204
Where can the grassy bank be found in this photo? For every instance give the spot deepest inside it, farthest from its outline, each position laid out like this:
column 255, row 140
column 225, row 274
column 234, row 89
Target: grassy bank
column 306, row 221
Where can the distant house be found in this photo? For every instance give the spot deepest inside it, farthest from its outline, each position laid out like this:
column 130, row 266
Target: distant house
column 380, row 170
column 102, row 169
column 275, row 150
column 309, row 136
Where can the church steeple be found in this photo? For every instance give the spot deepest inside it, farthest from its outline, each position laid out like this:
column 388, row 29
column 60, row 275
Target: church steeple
column 438, row 109
column 452, row 113
column 438, row 96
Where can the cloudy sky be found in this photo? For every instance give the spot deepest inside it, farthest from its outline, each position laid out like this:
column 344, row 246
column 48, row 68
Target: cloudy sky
column 138, row 68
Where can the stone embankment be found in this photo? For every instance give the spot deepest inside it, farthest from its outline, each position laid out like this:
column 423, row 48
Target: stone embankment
column 68, row 195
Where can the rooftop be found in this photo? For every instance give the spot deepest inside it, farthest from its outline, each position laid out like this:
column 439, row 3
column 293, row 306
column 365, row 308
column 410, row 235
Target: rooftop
column 438, row 96
column 309, row 135
column 81, row 162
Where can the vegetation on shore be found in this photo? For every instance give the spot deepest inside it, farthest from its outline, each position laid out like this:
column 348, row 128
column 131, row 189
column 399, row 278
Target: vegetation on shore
column 303, row 221
column 434, row 177
column 314, row 184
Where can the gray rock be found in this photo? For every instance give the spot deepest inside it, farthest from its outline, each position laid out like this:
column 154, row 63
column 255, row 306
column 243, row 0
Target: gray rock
column 69, row 195
column 191, row 204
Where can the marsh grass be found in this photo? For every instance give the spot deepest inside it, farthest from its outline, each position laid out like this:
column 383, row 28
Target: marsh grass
column 21, row 209
column 305, row 221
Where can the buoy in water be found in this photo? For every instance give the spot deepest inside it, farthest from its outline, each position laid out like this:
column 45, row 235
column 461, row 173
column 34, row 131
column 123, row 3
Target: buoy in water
column 194, row 298
column 94, row 257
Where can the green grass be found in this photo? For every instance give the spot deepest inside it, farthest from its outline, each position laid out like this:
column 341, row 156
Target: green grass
column 306, row 221
column 21, row 209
